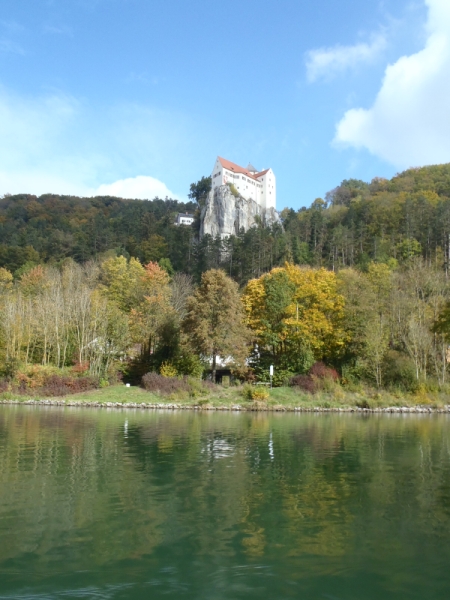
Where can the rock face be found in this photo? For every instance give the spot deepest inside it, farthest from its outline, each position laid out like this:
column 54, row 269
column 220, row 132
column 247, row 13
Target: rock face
column 225, row 214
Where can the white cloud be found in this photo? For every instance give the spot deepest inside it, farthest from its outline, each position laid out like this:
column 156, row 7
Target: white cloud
column 141, row 187
column 55, row 144
column 40, row 182
column 326, row 63
column 409, row 122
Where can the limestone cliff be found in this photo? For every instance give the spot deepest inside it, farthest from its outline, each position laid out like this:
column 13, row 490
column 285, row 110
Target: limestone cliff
column 226, row 214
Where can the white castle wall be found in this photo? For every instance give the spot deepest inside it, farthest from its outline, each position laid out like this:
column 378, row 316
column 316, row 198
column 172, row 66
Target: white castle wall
column 262, row 190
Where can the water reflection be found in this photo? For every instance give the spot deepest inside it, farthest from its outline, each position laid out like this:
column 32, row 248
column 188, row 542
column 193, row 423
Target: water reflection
column 118, row 505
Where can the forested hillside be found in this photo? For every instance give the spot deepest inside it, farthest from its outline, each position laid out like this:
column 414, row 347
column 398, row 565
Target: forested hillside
column 50, row 228
column 358, row 280
column 355, row 224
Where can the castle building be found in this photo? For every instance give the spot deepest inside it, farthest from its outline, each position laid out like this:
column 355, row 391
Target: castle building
column 250, row 183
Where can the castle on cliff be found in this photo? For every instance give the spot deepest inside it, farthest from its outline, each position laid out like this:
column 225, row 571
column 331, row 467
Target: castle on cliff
column 251, row 184
column 239, row 199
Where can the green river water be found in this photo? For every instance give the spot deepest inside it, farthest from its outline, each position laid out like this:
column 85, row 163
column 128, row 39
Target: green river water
column 141, row 504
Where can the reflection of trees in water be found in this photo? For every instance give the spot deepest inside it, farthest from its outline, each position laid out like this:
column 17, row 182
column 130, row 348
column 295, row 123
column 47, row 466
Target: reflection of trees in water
column 81, row 484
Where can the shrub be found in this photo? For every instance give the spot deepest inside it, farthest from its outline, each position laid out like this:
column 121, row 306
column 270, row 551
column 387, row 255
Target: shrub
column 233, row 190
column 9, row 368
column 321, row 371
column 59, row 385
column 154, row 382
column 189, row 364
column 165, row 386
column 353, row 374
column 168, row 370
column 304, row 382
column 38, row 380
column 198, row 387
column 256, row 393
column 399, row 372
column 81, row 367
column 320, row 377
column 280, row 377
column 260, row 393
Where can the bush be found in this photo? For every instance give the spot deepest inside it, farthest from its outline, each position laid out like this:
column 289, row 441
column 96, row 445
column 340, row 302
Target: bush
column 154, row 382
column 281, row 377
column 260, row 393
column 9, row 368
column 320, row 371
column 189, row 364
column 168, row 370
column 166, row 386
column 256, row 393
column 46, row 381
column 399, row 372
column 304, row 382
column 81, row 367
column 233, row 190
column 319, row 377
column 60, row 385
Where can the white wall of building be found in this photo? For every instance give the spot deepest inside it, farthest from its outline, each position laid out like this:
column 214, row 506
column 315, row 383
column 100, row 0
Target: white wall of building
column 262, row 190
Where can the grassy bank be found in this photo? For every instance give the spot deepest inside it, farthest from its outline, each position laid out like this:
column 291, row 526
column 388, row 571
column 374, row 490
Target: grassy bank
column 283, row 398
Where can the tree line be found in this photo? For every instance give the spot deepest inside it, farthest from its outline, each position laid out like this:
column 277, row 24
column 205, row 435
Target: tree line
column 356, row 223
column 387, row 326
column 359, row 280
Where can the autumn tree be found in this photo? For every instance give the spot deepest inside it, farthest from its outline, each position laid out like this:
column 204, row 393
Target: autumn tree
column 123, row 281
column 6, row 279
column 215, row 321
column 154, row 309
column 296, row 314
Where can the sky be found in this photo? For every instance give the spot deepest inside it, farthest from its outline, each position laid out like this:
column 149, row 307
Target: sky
column 137, row 98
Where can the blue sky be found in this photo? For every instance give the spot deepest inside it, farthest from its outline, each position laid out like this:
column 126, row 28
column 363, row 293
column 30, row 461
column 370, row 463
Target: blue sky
column 138, row 97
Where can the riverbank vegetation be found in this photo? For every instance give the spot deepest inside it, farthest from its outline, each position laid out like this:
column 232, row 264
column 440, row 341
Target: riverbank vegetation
column 351, row 298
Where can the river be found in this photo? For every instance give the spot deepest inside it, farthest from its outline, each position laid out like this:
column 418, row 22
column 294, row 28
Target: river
column 133, row 504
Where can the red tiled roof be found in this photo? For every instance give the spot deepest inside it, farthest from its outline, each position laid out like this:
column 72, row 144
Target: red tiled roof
column 227, row 164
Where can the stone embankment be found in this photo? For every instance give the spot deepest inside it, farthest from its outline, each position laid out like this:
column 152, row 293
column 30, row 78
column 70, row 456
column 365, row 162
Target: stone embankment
column 230, row 407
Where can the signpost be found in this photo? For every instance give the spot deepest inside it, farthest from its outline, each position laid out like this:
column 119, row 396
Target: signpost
column 271, row 375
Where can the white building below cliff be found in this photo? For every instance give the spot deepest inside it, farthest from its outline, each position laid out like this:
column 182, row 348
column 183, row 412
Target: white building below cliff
column 259, row 186
column 184, row 219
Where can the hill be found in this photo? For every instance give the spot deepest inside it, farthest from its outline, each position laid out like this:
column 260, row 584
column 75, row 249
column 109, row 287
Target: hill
column 356, row 223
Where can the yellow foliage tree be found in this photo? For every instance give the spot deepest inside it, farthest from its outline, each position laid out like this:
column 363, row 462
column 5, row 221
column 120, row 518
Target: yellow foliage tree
column 6, row 279
column 293, row 307
column 316, row 311
column 123, row 281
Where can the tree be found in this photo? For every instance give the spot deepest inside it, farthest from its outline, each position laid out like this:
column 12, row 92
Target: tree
column 154, row 310
column 123, row 281
column 266, row 301
column 296, row 315
column 199, row 191
column 215, row 320
column 316, row 312
column 6, row 279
